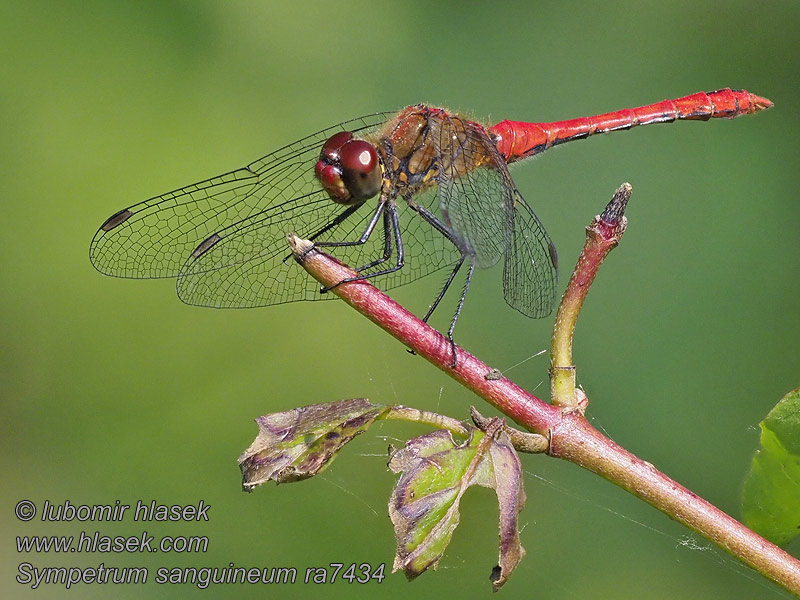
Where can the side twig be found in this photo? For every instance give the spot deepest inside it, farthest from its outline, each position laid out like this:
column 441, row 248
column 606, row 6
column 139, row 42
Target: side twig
column 602, row 236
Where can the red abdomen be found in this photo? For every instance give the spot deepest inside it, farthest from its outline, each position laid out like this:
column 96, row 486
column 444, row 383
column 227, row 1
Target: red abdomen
column 518, row 140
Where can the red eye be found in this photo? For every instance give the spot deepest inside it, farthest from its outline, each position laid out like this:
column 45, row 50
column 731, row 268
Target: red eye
column 349, row 169
column 359, row 156
column 331, row 148
column 330, row 177
column 360, row 169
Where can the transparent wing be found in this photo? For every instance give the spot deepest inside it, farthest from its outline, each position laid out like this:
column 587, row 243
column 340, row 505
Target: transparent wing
column 474, row 193
column 154, row 238
column 480, row 202
column 224, row 238
column 248, row 265
column 426, row 250
column 530, row 272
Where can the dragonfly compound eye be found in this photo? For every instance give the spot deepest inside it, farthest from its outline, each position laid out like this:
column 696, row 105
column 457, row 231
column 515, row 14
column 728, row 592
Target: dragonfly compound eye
column 331, row 148
column 330, row 176
column 360, row 169
column 348, row 169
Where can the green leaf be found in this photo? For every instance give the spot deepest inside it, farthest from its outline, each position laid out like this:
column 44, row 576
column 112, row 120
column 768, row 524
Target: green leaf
column 299, row 443
column 424, row 506
column 771, row 500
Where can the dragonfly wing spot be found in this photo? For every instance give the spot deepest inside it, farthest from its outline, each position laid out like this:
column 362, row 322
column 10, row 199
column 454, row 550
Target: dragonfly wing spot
column 117, row 219
column 206, row 245
column 551, row 248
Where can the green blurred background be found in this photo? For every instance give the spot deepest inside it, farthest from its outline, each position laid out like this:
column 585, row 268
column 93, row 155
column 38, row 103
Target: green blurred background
column 113, row 389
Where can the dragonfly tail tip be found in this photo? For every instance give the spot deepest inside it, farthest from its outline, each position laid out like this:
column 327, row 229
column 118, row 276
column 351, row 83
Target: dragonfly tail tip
column 760, row 103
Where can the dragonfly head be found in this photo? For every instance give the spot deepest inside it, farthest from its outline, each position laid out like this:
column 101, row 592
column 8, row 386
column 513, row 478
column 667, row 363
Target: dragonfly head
column 349, row 169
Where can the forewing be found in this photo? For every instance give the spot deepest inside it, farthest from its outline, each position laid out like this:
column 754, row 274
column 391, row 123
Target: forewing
column 154, row 238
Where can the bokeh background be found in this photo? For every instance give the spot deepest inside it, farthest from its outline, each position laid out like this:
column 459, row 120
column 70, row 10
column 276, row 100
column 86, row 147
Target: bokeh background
column 113, row 389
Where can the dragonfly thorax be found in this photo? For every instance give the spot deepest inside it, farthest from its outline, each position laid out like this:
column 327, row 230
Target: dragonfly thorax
column 422, row 142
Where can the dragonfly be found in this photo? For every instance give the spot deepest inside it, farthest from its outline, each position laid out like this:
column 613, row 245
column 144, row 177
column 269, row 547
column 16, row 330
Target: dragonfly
column 396, row 196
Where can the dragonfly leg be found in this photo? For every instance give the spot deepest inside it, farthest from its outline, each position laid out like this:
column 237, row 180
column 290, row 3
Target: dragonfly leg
column 454, row 239
column 394, row 222
column 439, row 299
column 387, row 246
column 364, row 236
column 458, row 312
column 444, row 289
column 439, row 226
column 340, row 218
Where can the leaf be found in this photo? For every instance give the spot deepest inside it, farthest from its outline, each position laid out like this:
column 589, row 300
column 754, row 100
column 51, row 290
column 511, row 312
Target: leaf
column 424, row 506
column 299, row 443
column 771, row 500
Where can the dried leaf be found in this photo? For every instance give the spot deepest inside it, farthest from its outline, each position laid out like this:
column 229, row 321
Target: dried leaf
column 424, row 506
column 299, row 443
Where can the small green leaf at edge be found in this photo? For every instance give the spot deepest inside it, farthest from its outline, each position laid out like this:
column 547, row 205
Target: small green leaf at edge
column 424, row 504
column 299, row 443
column 771, row 497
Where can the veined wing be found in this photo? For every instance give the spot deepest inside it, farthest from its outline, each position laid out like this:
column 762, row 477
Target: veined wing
column 530, row 271
column 481, row 203
column 245, row 265
column 474, row 194
column 154, row 238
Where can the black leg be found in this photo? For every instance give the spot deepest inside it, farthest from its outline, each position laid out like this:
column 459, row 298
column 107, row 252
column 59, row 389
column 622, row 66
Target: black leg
column 339, row 219
column 364, row 236
column 394, row 221
column 387, row 244
column 453, row 237
column 444, row 289
column 439, row 226
column 458, row 313
column 457, row 242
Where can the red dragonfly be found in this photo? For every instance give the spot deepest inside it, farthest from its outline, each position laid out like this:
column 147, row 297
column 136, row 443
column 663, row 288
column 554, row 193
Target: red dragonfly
column 225, row 238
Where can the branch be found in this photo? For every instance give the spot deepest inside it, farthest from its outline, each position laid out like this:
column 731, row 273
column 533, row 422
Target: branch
column 521, row 406
column 570, row 435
